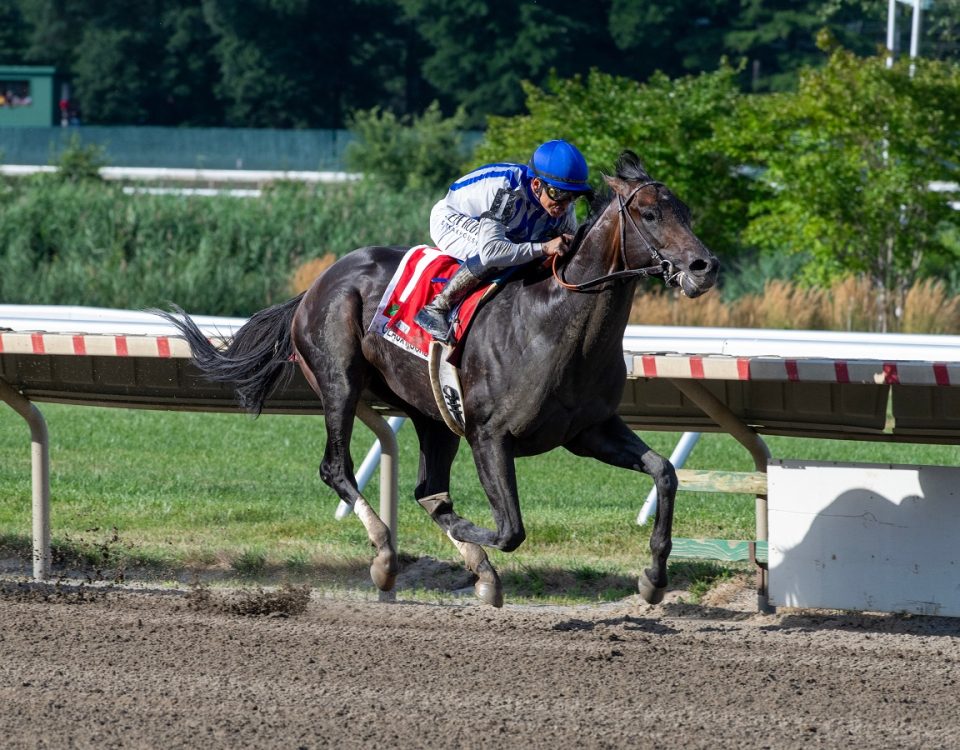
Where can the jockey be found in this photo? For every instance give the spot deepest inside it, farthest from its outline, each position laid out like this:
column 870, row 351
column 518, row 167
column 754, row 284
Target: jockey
column 503, row 215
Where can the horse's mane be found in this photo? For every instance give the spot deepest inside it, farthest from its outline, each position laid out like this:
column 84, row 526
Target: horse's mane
column 628, row 168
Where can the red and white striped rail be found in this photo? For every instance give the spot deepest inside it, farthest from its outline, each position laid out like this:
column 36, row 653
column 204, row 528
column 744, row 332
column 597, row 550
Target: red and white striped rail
column 808, row 370
column 716, row 367
column 94, row 345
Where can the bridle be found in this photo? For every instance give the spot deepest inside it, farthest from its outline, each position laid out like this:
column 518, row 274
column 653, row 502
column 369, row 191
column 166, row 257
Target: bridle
column 662, row 266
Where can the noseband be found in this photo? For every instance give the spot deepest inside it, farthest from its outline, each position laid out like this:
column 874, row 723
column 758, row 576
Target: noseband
column 660, row 268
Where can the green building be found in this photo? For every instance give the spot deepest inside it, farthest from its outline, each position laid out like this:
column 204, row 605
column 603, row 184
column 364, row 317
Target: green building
column 26, row 96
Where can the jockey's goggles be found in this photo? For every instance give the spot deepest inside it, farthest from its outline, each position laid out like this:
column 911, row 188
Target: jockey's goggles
column 557, row 195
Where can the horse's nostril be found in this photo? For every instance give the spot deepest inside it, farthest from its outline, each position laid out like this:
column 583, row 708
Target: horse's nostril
column 698, row 265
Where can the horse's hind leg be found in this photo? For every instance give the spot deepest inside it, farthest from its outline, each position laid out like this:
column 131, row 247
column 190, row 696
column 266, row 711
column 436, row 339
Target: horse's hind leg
column 616, row 444
column 331, row 360
column 438, row 448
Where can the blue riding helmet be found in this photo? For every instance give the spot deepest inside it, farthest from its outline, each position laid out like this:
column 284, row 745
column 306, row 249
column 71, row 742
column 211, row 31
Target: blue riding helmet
column 560, row 164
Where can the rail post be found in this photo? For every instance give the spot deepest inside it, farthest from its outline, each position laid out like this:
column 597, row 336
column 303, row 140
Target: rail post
column 40, row 467
column 748, row 438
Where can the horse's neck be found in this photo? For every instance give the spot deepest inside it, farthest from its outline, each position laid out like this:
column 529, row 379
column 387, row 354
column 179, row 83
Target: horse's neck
column 593, row 322
column 597, row 254
column 603, row 310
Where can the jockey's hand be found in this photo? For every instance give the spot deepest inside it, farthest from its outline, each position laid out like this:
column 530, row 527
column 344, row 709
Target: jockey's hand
column 557, row 246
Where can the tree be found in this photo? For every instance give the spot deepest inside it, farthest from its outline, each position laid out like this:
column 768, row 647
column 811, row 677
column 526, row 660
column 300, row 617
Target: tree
column 296, row 63
column 55, row 31
column 482, row 49
column 305, row 63
column 423, row 152
column 670, row 123
column 846, row 166
column 187, row 79
column 940, row 29
column 14, row 33
column 264, row 63
column 152, row 66
column 775, row 37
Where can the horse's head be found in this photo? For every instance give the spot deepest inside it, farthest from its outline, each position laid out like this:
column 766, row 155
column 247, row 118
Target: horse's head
column 654, row 228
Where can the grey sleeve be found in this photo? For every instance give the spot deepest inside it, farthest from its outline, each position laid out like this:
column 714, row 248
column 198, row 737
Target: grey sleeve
column 496, row 251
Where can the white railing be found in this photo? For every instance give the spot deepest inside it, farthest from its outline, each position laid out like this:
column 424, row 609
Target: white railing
column 755, row 342
column 174, row 174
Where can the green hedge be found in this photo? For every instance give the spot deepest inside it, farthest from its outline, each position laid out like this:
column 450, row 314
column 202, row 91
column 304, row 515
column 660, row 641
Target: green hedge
column 85, row 242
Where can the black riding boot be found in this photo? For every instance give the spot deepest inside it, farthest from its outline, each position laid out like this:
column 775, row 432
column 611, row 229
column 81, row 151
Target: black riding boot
column 432, row 318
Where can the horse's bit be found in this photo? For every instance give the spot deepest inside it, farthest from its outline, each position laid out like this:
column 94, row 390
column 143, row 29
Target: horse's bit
column 660, row 268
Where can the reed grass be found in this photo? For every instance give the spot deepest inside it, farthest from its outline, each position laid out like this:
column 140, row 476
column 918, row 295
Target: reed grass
column 88, row 243
column 306, row 273
column 848, row 305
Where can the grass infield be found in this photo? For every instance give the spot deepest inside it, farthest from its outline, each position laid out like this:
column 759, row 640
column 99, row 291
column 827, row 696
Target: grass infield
column 181, row 495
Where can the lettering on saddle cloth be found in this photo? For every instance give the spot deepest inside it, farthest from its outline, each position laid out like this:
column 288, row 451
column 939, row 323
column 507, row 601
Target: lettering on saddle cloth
column 420, row 276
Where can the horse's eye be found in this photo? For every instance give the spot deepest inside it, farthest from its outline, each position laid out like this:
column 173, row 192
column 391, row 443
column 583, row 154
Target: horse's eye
column 649, row 216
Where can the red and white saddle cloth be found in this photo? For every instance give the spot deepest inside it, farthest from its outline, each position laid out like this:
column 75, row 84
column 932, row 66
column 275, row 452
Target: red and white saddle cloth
column 418, row 279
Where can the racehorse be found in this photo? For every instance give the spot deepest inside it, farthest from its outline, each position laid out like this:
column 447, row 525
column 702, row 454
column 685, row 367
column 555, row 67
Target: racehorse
column 542, row 367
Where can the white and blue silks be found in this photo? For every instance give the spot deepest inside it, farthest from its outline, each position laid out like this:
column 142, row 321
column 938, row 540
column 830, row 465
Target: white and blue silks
column 492, row 213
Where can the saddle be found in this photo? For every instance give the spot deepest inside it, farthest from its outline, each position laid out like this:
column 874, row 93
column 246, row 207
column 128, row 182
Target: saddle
column 420, row 276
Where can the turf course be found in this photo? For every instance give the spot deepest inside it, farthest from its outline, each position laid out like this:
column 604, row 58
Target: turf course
column 224, row 492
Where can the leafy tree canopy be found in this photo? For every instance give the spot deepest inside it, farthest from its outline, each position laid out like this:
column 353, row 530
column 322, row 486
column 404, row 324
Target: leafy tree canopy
column 418, row 153
column 669, row 123
column 305, row 63
column 846, row 166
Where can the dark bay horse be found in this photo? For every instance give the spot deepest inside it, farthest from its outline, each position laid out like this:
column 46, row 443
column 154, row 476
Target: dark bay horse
column 542, row 368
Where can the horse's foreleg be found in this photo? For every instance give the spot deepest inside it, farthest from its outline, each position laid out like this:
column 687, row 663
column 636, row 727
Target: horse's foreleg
column 498, row 477
column 438, row 448
column 616, row 444
column 493, row 457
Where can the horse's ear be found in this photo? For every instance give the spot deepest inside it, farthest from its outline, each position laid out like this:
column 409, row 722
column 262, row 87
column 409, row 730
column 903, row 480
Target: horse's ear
column 616, row 184
column 629, row 167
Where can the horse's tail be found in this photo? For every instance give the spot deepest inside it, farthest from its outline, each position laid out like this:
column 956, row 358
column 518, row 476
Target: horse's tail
column 258, row 358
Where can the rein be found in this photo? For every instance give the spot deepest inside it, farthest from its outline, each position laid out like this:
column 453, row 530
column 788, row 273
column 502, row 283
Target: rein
column 630, row 273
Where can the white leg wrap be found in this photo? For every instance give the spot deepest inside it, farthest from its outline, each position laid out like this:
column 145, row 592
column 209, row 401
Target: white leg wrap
column 366, row 514
column 461, row 546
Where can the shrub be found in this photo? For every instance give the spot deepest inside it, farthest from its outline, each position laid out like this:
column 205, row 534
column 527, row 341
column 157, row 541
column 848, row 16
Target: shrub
column 424, row 152
column 78, row 162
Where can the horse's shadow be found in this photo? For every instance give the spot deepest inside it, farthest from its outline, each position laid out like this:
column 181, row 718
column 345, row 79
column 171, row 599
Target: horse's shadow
column 626, row 622
column 876, row 555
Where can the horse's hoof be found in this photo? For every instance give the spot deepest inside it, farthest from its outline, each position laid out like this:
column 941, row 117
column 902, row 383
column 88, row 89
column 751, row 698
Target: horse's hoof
column 650, row 593
column 383, row 570
column 489, row 593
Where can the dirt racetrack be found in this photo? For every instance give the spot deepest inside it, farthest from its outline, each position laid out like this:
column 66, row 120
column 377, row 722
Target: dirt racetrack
column 166, row 669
